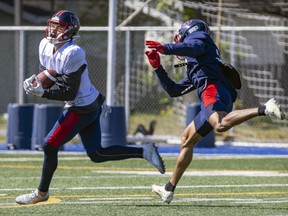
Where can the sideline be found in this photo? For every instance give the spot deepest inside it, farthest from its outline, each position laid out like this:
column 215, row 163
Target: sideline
column 235, row 148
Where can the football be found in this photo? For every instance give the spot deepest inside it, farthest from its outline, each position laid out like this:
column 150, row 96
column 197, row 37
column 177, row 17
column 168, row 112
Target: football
column 47, row 78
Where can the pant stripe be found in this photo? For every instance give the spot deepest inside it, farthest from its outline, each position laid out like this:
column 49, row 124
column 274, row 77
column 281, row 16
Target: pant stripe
column 63, row 129
column 209, row 94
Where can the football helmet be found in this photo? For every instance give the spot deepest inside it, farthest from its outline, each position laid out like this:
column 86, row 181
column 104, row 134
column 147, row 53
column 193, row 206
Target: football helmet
column 62, row 27
column 190, row 26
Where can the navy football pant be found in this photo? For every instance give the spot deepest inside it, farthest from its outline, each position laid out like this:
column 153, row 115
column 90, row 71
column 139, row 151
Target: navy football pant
column 88, row 127
column 215, row 97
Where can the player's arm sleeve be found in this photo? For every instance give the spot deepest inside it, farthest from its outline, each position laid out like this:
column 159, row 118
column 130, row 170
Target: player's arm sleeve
column 174, row 89
column 41, row 68
column 192, row 48
column 68, row 89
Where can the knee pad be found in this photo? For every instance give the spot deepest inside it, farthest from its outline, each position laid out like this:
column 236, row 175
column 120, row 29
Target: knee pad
column 202, row 125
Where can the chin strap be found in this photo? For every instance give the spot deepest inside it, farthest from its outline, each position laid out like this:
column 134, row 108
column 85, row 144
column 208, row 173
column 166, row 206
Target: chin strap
column 56, row 41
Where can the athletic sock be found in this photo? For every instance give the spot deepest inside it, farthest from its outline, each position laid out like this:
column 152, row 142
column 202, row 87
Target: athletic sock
column 170, row 187
column 261, row 110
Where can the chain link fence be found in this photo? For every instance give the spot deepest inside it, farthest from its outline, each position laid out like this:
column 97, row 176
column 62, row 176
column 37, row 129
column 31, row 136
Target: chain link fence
column 147, row 99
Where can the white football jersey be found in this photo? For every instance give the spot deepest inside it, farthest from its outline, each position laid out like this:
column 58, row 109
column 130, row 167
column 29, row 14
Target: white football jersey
column 68, row 59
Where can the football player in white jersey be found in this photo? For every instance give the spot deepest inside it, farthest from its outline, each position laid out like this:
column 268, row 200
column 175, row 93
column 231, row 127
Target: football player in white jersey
column 83, row 105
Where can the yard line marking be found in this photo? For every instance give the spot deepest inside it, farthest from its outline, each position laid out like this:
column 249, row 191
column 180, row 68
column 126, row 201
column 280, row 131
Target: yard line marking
column 167, row 157
column 148, row 199
column 234, row 193
column 23, row 189
column 79, row 177
column 191, row 186
column 52, row 200
column 145, row 197
column 233, row 200
column 24, row 159
column 203, row 173
column 13, row 166
column 140, row 196
column 108, row 188
column 261, row 201
column 148, row 187
column 106, row 202
column 146, row 171
column 177, row 195
column 212, row 199
column 115, row 198
column 230, row 156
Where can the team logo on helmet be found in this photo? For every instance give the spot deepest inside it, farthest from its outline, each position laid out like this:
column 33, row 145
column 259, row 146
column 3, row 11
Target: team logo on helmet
column 189, row 27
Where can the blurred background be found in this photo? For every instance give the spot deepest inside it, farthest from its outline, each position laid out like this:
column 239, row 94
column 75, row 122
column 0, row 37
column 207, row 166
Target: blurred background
column 252, row 35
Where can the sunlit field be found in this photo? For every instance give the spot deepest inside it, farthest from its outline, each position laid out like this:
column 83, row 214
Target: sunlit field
column 213, row 185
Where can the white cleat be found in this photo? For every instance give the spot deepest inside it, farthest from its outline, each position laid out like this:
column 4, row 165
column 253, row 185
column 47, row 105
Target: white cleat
column 272, row 108
column 31, row 198
column 152, row 156
column 166, row 196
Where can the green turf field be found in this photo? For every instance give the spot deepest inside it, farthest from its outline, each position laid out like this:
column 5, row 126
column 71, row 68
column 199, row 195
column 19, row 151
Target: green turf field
column 211, row 186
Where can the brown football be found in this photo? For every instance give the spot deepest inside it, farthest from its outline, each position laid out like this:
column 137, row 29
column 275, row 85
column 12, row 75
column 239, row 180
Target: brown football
column 47, row 78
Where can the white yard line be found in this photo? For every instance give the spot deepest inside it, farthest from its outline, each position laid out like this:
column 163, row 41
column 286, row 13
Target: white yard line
column 24, row 159
column 144, row 200
column 78, row 177
column 23, row 189
column 190, row 186
column 167, row 156
column 200, row 173
column 115, row 198
column 149, row 187
column 262, row 201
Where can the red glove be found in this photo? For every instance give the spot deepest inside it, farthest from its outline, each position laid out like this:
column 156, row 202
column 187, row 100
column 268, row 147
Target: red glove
column 155, row 45
column 154, row 58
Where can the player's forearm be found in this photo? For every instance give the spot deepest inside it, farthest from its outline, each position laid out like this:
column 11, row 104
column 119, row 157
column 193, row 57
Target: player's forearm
column 66, row 90
column 63, row 93
column 169, row 85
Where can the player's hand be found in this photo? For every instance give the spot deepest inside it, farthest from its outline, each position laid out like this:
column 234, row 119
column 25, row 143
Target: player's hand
column 27, row 82
column 154, row 58
column 34, row 90
column 155, row 45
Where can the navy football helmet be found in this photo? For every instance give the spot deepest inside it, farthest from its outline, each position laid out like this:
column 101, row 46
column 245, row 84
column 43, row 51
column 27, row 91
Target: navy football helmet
column 190, row 26
column 67, row 24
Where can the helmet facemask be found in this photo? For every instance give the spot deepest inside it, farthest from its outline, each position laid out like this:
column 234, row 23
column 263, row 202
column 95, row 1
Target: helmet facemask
column 62, row 27
column 53, row 36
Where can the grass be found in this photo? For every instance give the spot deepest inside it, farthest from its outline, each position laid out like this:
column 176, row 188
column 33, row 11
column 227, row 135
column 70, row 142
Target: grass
column 211, row 186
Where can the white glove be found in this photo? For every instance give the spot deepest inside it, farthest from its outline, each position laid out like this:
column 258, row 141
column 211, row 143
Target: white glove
column 30, row 89
column 28, row 82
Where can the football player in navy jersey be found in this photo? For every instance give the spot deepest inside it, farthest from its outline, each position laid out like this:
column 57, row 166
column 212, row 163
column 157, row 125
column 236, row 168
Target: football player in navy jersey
column 83, row 105
column 215, row 87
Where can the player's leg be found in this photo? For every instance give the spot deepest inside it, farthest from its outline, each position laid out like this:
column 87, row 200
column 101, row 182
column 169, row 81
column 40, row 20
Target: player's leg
column 193, row 133
column 63, row 131
column 188, row 139
column 221, row 121
column 91, row 139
